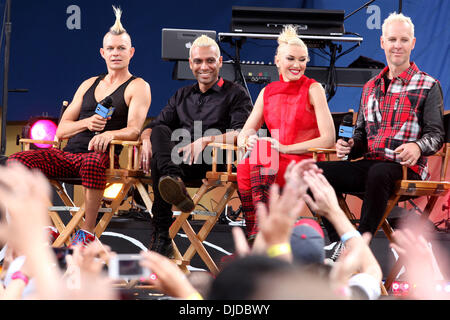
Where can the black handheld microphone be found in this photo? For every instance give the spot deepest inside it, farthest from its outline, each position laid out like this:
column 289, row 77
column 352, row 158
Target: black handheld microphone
column 346, row 130
column 105, row 108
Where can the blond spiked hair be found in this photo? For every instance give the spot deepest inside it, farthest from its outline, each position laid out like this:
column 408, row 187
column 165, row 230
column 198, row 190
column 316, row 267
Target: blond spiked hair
column 397, row 17
column 117, row 28
column 289, row 36
column 205, row 41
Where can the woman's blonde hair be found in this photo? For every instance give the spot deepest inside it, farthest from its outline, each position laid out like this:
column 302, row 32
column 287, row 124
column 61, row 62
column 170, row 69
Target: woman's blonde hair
column 205, row 41
column 289, row 36
column 117, row 28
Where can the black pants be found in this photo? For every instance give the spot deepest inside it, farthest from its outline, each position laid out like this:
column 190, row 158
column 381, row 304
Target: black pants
column 375, row 179
column 162, row 164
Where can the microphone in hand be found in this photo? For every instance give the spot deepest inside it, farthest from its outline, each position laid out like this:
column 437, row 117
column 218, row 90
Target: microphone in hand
column 104, row 108
column 346, row 130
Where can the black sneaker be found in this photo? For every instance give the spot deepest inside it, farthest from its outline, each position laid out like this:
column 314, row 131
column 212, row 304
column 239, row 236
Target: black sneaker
column 333, row 251
column 173, row 191
column 162, row 243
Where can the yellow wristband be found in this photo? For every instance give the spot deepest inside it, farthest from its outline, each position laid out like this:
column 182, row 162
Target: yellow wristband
column 278, row 250
column 194, row 296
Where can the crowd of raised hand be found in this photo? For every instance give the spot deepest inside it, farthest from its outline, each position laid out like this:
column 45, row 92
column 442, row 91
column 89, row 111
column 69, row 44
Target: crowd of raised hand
column 269, row 263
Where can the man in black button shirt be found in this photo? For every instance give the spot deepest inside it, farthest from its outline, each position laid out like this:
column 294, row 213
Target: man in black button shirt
column 211, row 110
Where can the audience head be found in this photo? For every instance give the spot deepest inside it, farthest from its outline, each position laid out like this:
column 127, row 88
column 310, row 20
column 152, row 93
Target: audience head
column 258, row 277
column 307, row 242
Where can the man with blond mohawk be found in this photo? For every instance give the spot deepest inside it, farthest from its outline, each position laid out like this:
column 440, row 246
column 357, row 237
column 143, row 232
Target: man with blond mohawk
column 211, row 110
column 399, row 122
column 89, row 134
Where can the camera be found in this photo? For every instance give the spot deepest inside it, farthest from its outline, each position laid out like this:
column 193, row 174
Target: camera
column 127, row 267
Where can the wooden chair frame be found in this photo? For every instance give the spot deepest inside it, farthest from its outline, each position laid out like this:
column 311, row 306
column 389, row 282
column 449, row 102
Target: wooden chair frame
column 406, row 189
column 129, row 176
column 214, row 179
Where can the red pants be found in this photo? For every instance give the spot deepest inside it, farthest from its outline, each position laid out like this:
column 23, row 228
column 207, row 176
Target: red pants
column 256, row 174
column 54, row 163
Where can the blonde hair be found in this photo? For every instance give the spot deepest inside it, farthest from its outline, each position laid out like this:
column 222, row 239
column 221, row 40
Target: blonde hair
column 117, row 28
column 289, row 36
column 397, row 17
column 204, row 41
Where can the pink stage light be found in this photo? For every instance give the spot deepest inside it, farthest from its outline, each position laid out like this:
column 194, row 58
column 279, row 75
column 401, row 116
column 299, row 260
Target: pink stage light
column 43, row 130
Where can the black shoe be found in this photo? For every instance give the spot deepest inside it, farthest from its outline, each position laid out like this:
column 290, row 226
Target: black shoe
column 162, row 243
column 173, row 191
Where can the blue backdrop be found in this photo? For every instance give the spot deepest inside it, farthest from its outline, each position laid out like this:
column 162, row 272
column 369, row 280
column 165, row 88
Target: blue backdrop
column 55, row 44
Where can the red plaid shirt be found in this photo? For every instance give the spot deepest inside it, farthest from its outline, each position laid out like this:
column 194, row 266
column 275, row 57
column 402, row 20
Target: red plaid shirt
column 409, row 111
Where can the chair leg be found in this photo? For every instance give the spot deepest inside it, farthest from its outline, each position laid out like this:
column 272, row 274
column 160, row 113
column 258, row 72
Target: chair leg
column 206, row 229
column 69, row 228
column 62, row 193
column 346, row 209
column 197, row 245
column 383, row 290
column 393, row 274
column 429, row 207
column 107, row 216
column 388, row 231
column 144, row 195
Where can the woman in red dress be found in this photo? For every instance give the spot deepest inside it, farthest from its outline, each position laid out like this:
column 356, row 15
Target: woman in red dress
column 296, row 113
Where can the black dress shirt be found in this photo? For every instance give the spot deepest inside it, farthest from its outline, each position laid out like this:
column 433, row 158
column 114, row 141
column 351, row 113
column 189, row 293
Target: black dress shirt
column 226, row 105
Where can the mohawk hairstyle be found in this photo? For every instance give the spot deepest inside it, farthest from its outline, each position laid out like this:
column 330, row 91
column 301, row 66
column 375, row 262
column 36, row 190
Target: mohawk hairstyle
column 117, row 28
column 289, row 35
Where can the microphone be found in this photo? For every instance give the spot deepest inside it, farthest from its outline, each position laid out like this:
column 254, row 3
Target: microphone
column 346, row 130
column 105, row 109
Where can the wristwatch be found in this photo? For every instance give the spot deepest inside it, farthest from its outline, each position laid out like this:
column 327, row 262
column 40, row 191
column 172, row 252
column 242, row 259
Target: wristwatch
column 19, row 275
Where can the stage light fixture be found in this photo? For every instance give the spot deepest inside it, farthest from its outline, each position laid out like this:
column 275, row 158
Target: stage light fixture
column 112, row 191
column 40, row 128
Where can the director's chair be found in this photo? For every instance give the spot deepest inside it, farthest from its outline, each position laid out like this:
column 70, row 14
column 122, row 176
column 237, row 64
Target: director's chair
column 227, row 181
column 406, row 190
column 129, row 176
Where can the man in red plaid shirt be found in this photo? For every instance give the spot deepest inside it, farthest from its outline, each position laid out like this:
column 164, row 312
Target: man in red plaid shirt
column 399, row 122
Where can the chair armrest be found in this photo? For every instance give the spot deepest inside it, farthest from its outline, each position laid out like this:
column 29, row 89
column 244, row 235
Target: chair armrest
column 322, row 150
column 230, row 148
column 326, row 151
column 126, row 143
column 27, row 142
column 133, row 150
column 23, row 140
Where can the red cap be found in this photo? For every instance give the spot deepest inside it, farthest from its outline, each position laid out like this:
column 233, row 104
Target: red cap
column 312, row 223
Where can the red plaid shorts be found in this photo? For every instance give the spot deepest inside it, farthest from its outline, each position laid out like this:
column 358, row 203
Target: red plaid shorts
column 54, row 163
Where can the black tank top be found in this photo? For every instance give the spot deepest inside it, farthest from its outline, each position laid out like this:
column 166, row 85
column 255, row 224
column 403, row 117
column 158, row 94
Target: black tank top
column 79, row 142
